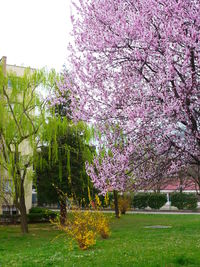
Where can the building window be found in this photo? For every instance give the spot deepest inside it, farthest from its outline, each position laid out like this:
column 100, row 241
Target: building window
column 6, row 210
column 14, row 211
column 9, row 210
column 34, row 198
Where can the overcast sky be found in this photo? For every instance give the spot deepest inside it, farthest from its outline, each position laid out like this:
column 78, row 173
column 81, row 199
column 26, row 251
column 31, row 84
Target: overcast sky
column 35, row 33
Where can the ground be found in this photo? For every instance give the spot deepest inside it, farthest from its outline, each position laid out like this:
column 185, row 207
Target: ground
column 131, row 244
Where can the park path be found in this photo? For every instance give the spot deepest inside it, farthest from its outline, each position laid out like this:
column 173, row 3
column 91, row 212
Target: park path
column 152, row 212
column 157, row 212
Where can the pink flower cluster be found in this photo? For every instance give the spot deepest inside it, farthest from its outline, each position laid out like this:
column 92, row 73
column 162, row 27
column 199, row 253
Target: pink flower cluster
column 136, row 64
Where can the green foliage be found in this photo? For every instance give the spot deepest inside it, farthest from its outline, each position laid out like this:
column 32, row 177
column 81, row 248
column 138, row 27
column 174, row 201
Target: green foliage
column 19, row 126
column 140, row 200
column 37, row 214
column 157, row 200
column 61, row 162
column 184, row 201
column 20, row 102
column 36, row 218
column 179, row 200
column 192, row 201
column 109, row 200
column 37, row 210
column 153, row 200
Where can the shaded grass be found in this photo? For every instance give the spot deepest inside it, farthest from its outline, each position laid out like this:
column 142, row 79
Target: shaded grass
column 129, row 245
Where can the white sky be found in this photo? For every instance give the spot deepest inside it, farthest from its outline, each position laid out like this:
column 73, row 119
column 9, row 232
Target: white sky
column 35, row 33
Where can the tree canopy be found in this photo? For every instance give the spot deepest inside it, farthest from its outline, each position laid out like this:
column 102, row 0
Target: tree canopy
column 136, row 64
column 22, row 114
column 60, row 163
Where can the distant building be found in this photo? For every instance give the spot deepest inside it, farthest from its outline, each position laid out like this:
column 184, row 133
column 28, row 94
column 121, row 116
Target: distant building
column 169, row 186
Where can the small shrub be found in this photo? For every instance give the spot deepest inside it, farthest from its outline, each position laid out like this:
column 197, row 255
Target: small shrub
column 191, row 201
column 81, row 227
column 36, row 217
column 140, row 200
column 37, row 214
column 50, row 214
column 102, row 224
column 84, row 226
column 157, row 200
column 37, row 210
column 124, row 204
column 178, row 200
column 184, row 201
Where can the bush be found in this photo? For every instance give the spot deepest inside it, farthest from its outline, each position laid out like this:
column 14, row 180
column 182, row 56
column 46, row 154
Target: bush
column 157, row 200
column 37, row 214
column 83, row 227
column 192, row 201
column 36, row 217
column 184, row 201
column 140, row 201
column 102, row 224
column 124, row 204
column 37, row 210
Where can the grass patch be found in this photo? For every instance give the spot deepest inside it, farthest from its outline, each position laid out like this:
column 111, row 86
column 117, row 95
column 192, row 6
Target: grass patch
column 130, row 244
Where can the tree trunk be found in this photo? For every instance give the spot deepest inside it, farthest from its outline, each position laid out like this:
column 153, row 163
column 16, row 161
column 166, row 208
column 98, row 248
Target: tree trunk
column 23, row 214
column 19, row 193
column 116, row 203
column 63, row 211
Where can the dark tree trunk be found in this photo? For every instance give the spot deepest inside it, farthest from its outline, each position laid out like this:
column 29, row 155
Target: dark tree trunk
column 63, row 211
column 20, row 194
column 116, row 203
column 23, row 214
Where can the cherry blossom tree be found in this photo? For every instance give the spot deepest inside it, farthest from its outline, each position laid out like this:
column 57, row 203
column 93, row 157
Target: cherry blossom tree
column 110, row 170
column 136, row 64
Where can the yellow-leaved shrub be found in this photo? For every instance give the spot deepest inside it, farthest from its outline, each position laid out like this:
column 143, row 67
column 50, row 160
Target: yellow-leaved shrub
column 102, row 224
column 84, row 226
column 124, row 204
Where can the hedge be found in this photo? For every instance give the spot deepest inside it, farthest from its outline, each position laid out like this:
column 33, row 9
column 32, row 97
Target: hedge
column 37, row 210
column 157, row 200
column 140, row 200
column 37, row 214
column 184, row 201
column 153, row 200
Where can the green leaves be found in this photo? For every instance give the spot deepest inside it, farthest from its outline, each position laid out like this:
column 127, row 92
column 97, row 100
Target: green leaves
column 22, row 115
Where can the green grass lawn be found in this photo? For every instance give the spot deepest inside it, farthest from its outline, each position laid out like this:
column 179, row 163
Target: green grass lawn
column 129, row 245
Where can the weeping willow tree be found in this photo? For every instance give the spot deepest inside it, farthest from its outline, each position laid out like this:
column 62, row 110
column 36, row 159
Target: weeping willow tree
column 22, row 115
column 60, row 164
